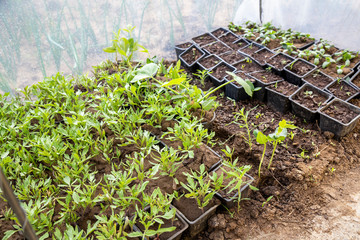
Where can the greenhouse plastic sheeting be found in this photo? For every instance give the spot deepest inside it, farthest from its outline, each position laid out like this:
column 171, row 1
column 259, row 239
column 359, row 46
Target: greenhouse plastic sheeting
column 40, row 38
column 335, row 20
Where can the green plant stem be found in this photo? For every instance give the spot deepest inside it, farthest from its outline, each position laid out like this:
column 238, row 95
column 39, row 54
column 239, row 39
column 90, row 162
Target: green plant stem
column 273, row 153
column 262, row 159
column 249, row 134
column 214, row 90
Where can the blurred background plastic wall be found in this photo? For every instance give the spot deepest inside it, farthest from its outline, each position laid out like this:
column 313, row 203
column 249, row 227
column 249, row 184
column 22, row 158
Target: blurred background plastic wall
column 41, row 37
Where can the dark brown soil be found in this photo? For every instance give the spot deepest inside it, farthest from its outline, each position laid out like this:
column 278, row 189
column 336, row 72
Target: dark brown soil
column 310, row 98
column 204, row 39
column 203, row 155
column 356, row 81
column 342, row 90
column 331, row 70
column 210, row 61
column 232, row 57
column 219, row 71
column 355, row 101
column 340, row 112
column 329, row 51
column 238, row 44
column 291, row 178
column 184, row 45
column 241, row 74
column 318, row 79
column 353, row 61
column 301, row 42
column 6, row 225
column 229, row 38
column 279, row 61
column 284, row 88
column 274, row 43
column 218, row 32
column 300, row 68
column 266, row 76
column 191, row 55
column 190, row 209
column 263, row 55
column 247, row 66
column 216, row 48
column 250, row 49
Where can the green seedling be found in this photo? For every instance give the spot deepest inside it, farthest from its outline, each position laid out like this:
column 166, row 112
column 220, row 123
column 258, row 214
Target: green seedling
column 198, row 187
column 202, row 75
column 308, row 93
column 243, row 116
column 345, row 56
column 246, row 84
column 169, row 160
column 151, row 217
column 267, row 200
column 275, row 138
column 116, row 226
column 228, row 152
column 303, row 154
column 125, row 47
column 236, row 174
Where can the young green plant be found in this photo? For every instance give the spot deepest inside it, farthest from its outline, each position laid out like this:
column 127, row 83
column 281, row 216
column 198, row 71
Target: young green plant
column 275, row 138
column 199, row 187
column 126, row 47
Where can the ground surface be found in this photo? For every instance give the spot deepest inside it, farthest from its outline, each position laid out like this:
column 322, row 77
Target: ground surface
column 337, row 218
column 316, row 194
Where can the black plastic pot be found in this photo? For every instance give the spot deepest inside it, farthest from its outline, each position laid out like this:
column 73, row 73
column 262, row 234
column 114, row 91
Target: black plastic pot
column 191, row 66
column 229, row 202
column 232, row 57
column 346, row 84
column 199, row 224
column 264, row 51
column 261, row 94
column 304, row 112
column 311, row 79
column 219, row 32
column 214, row 48
column 279, row 70
column 242, row 42
column 250, row 45
column 204, row 39
column 216, row 61
column 180, row 48
column 229, row 38
column 234, row 91
column 294, row 78
column 214, row 79
column 220, row 159
column 247, row 65
column 340, row 129
column 355, row 77
column 277, row 100
column 306, row 45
